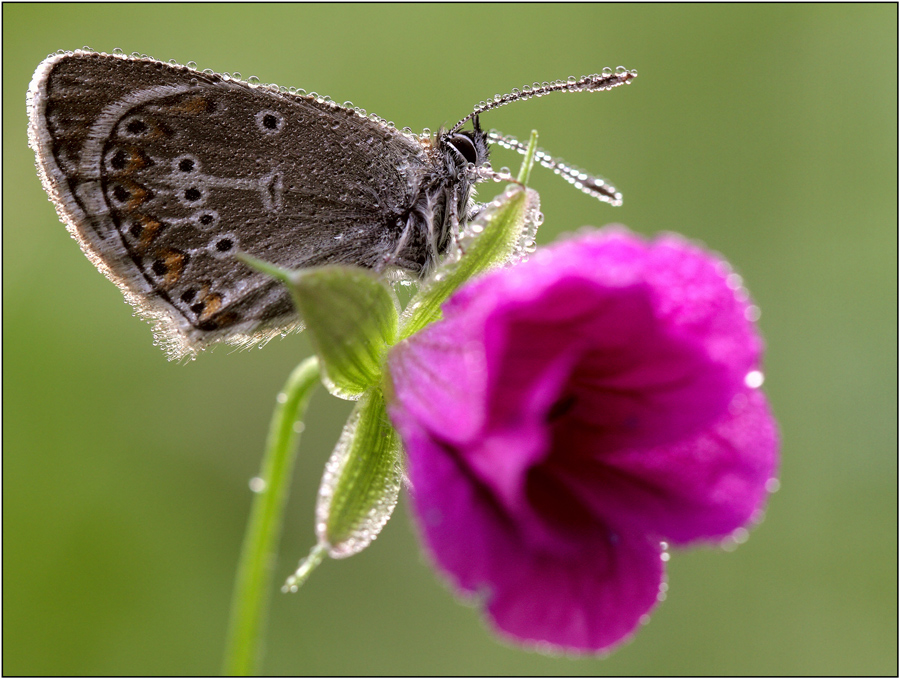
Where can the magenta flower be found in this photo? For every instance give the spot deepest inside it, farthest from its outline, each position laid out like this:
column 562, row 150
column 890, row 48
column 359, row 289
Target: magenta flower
column 572, row 414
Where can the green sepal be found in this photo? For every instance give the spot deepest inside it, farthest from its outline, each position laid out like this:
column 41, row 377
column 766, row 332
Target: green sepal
column 351, row 317
column 362, row 480
column 528, row 162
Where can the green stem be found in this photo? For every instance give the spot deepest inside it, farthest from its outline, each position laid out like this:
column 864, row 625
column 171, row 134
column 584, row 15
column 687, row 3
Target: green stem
column 252, row 586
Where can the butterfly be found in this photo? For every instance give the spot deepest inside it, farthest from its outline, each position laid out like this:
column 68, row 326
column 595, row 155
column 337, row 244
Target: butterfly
column 162, row 173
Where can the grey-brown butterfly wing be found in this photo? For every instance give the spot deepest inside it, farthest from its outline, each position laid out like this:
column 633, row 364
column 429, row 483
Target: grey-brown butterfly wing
column 162, row 173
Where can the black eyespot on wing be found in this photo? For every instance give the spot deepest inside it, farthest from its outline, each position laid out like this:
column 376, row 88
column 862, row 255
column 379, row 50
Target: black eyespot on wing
column 269, row 122
column 120, row 193
column 136, row 126
column 119, row 160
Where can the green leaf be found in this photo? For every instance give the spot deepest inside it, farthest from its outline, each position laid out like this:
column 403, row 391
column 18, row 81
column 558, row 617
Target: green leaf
column 362, row 480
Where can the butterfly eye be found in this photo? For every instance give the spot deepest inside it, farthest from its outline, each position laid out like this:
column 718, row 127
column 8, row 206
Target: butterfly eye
column 465, row 146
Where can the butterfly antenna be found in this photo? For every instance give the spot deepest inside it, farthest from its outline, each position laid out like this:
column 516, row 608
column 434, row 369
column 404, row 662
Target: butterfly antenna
column 590, row 184
column 587, row 83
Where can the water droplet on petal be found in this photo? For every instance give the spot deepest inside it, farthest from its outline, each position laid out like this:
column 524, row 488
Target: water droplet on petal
column 754, row 379
column 740, row 535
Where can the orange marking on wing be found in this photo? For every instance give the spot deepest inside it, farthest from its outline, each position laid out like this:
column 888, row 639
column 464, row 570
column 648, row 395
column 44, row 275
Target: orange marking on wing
column 213, row 303
column 174, row 261
column 136, row 161
column 192, row 106
column 138, row 195
column 150, row 230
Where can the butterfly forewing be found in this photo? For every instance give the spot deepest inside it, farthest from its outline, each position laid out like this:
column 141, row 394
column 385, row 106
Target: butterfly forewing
column 163, row 173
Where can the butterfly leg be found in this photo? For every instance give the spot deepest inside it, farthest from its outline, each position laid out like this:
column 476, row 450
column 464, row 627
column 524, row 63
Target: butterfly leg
column 394, row 257
column 454, row 220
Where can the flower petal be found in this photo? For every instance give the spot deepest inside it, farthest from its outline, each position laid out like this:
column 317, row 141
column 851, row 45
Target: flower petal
column 589, row 604
column 703, row 487
column 440, row 378
column 584, row 603
column 631, row 383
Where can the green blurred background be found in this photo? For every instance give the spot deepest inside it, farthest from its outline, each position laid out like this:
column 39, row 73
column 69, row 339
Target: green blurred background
column 766, row 131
